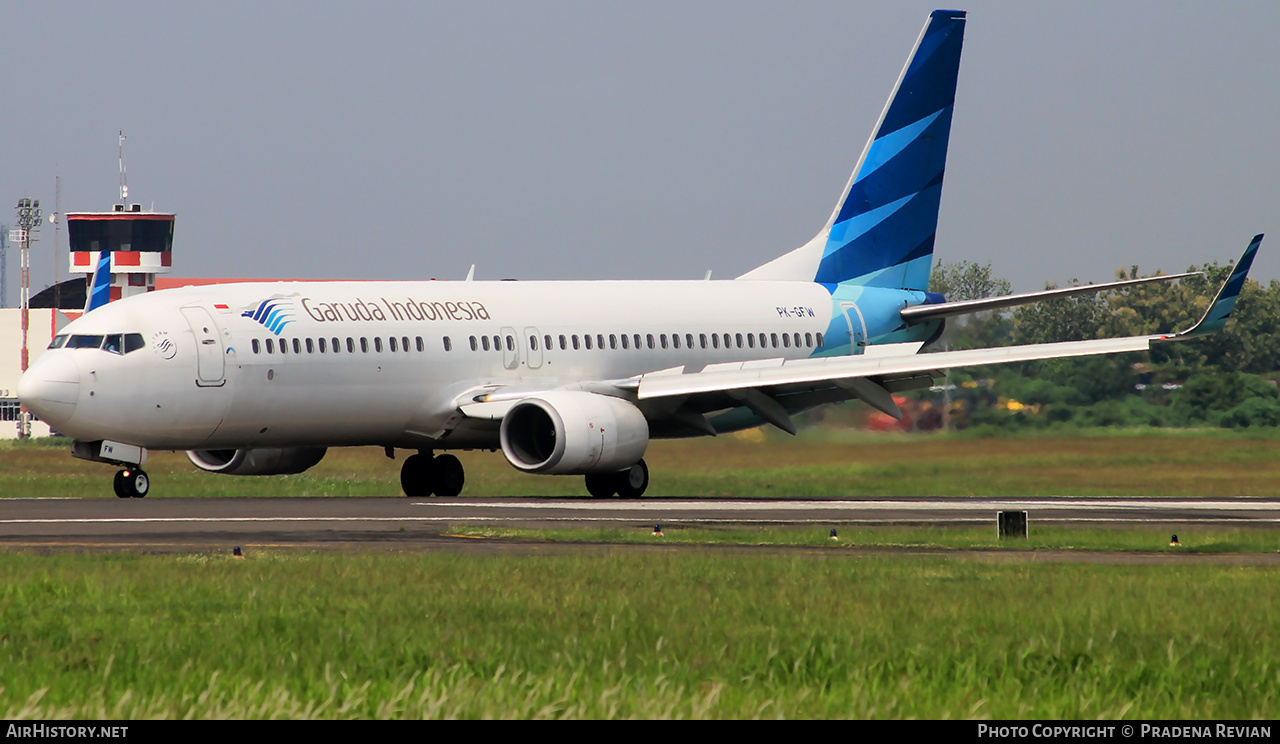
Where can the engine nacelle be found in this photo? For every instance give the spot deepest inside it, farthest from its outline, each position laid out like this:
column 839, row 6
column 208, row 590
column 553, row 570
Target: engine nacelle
column 264, row 461
column 563, row 432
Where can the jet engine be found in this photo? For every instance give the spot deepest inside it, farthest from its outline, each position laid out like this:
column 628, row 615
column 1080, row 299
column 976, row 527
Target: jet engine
column 564, row 432
column 265, row 461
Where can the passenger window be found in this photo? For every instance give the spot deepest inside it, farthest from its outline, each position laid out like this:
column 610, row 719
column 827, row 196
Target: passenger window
column 613, row 340
column 533, row 343
column 688, row 340
column 297, row 346
column 563, row 345
column 702, row 338
column 649, row 338
column 546, row 341
column 575, row 342
column 497, row 343
column 675, row 340
column 421, row 347
column 786, row 340
column 391, row 341
column 586, row 340
column 311, row 347
column 626, row 342
column 663, row 338
column 484, row 341
column 511, row 344
column 323, row 346
column 819, row 340
column 257, row 347
column 808, row 340
column 728, row 342
column 351, row 345
column 738, row 339
column 797, row 339
column 773, row 338
column 364, row 345
column 404, row 343
column 751, row 340
column 715, row 341
column 271, row 348
column 114, row 343
column 448, row 344
column 600, row 341
column 473, row 343
column 336, row 346
column 284, row 346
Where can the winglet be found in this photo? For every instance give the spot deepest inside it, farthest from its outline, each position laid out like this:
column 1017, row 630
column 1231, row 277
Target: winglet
column 1222, row 306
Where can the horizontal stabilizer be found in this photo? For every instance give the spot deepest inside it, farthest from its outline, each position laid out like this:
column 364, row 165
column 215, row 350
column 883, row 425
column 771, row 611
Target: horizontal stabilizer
column 922, row 313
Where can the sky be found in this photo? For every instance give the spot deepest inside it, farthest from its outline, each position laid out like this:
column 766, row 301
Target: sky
column 651, row 140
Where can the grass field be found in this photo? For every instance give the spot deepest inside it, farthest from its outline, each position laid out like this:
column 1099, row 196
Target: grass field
column 621, row 633
column 1129, row 538
column 697, row 633
column 821, row 462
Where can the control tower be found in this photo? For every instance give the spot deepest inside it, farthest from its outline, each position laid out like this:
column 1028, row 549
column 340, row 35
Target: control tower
column 121, row 251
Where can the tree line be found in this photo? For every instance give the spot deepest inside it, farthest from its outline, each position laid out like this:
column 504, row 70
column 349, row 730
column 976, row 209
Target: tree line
column 1227, row 379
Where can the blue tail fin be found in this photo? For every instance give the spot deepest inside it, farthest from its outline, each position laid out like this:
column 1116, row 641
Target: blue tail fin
column 99, row 292
column 883, row 229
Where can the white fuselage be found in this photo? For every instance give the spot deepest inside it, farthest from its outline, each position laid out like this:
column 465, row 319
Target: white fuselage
column 211, row 373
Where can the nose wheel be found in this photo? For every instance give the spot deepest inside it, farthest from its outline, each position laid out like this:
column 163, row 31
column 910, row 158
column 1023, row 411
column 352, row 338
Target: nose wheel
column 423, row 475
column 132, row 483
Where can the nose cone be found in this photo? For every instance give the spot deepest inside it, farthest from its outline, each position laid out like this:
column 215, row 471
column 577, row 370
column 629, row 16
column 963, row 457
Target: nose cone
column 50, row 388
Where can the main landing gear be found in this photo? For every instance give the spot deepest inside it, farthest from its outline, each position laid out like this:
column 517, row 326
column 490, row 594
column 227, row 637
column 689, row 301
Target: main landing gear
column 629, row 484
column 423, row 475
column 131, row 483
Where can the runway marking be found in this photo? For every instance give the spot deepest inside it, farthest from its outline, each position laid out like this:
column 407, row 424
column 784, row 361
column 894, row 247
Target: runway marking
column 968, row 505
column 706, row 520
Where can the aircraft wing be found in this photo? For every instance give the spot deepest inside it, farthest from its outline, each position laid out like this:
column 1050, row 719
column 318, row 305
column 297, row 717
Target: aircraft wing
column 772, row 387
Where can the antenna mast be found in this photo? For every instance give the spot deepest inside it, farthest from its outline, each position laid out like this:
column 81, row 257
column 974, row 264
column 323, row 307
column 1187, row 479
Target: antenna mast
column 124, row 184
column 56, row 219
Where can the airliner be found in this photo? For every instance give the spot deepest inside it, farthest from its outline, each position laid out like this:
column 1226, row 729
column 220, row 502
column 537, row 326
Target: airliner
column 565, row 378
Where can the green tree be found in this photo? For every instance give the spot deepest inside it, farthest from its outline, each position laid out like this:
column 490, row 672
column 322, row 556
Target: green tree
column 971, row 281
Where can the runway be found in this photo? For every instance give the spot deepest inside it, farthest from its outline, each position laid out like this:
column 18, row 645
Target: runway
column 182, row 523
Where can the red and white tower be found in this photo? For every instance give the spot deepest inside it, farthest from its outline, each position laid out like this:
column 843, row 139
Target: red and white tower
column 123, row 250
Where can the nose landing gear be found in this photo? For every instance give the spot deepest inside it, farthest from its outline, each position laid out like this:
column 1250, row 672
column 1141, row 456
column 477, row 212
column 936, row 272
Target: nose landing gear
column 131, row 483
column 423, row 475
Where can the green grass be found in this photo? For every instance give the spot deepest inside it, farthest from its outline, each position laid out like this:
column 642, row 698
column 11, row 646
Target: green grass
column 1145, row 538
column 621, row 633
column 822, row 462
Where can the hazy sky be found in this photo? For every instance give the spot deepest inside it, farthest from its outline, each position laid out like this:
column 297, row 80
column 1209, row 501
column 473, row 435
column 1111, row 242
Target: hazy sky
column 585, row 140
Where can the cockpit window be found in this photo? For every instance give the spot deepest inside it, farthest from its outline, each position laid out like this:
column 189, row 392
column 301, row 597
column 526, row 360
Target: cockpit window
column 116, row 343
column 84, row 342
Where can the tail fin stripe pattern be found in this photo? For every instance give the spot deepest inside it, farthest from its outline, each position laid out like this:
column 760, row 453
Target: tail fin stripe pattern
column 888, row 146
column 884, row 229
